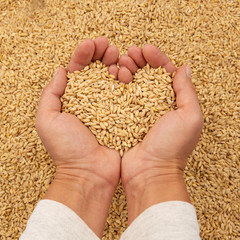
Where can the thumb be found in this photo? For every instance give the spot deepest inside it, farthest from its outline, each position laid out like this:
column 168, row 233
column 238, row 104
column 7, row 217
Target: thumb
column 186, row 96
column 50, row 103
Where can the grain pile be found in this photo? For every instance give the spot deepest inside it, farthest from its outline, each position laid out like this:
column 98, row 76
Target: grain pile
column 118, row 114
column 38, row 36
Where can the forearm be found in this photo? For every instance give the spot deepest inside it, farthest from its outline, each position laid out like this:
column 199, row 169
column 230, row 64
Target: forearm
column 86, row 198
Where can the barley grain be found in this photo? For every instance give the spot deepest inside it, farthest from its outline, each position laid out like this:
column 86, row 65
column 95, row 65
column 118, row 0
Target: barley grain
column 37, row 38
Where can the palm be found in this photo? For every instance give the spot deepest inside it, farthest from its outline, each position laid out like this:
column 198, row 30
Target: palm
column 168, row 137
column 71, row 144
column 159, row 145
column 169, row 141
column 70, row 139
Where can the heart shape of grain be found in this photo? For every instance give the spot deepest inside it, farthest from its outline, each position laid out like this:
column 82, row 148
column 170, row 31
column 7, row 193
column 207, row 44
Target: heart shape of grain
column 118, row 114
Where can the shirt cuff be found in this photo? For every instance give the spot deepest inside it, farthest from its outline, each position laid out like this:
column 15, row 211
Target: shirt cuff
column 52, row 220
column 173, row 220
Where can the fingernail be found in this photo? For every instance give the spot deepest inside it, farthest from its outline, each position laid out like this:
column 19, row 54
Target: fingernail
column 56, row 72
column 188, row 71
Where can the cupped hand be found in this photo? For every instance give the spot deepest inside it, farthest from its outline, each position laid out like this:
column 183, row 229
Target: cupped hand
column 162, row 155
column 71, row 144
column 86, row 172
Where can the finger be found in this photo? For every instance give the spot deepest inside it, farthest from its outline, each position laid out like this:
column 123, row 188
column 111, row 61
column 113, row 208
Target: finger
column 50, row 103
column 136, row 54
column 82, row 56
column 124, row 75
column 186, row 96
column 111, row 56
column 101, row 45
column 155, row 58
column 113, row 70
column 128, row 62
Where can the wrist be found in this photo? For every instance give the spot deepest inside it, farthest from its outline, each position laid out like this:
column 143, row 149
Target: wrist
column 85, row 196
column 79, row 194
column 154, row 185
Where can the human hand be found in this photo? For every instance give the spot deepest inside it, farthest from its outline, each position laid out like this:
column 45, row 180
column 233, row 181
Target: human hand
column 86, row 172
column 153, row 170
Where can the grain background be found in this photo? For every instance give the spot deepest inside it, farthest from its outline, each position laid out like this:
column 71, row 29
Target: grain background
column 37, row 36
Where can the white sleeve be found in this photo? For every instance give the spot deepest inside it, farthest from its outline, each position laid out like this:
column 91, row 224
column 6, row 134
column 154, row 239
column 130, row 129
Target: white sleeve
column 52, row 220
column 172, row 220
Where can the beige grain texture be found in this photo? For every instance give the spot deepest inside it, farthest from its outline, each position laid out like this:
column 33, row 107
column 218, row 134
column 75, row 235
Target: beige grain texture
column 38, row 36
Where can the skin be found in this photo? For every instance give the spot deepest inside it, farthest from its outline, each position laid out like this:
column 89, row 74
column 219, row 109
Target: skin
column 87, row 174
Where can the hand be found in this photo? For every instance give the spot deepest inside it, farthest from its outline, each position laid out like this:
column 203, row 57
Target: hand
column 153, row 170
column 86, row 173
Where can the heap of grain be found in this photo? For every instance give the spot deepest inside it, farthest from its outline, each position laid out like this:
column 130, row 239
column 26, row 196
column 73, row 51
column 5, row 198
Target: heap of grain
column 37, row 36
column 118, row 114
